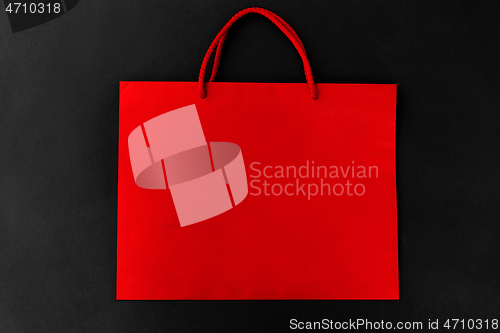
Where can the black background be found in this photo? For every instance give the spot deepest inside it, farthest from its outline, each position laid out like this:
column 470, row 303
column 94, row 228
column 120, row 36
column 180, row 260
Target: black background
column 59, row 143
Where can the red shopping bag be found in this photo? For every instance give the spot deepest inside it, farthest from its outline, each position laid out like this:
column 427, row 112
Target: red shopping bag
column 257, row 190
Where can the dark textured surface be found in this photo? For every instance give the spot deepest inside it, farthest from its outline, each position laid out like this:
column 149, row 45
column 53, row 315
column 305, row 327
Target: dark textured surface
column 59, row 132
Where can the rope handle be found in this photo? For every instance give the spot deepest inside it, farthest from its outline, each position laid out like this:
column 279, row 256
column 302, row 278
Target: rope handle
column 280, row 23
column 223, row 38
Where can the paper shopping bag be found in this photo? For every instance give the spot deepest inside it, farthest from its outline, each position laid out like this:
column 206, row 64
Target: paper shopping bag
column 257, row 190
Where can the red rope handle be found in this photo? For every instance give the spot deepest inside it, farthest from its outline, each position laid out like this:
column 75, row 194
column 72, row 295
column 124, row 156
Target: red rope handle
column 280, row 23
column 223, row 38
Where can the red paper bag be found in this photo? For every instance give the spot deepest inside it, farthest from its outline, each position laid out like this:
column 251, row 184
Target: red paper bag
column 257, row 190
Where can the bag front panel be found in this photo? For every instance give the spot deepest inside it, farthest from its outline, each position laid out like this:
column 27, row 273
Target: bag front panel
column 319, row 220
